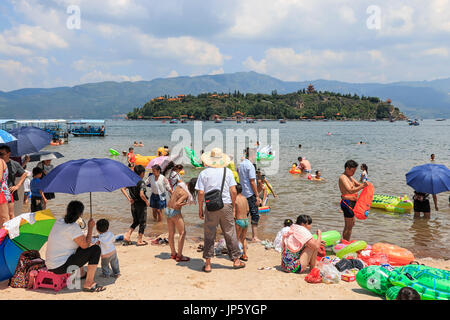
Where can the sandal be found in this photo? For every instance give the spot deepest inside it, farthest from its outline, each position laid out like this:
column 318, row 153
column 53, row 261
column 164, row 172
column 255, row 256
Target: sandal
column 244, row 257
column 94, row 288
column 127, row 243
column 240, row 266
column 182, row 259
column 200, row 248
column 204, row 270
column 144, row 243
column 173, row 256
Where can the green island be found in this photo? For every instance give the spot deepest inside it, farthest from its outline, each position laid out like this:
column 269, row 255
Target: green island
column 303, row 104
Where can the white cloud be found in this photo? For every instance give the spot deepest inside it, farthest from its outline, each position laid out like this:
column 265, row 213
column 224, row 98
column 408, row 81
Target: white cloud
column 440, row 52
column 90, row 64
column 172, row 74
column 98, row 76
column 12, row 67
column 217, row 71
column 34, row 36
column 11, row 50
column 347, row 14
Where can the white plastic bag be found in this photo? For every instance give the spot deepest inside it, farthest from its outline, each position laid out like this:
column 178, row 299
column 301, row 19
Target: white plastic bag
column 329, row 272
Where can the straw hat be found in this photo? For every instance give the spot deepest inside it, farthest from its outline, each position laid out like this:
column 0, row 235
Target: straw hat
column 215, row 158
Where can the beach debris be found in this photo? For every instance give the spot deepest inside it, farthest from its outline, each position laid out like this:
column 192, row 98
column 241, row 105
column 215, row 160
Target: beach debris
column 265, row 268
column 267, row 244
column 314, row 276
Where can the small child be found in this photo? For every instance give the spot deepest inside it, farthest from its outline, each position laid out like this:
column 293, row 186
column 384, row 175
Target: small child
column 407, row 293
column 279, row 237
column 105, row 240
column 38, row 200
column 26, row 188
column 364, row 173
column 241, row 219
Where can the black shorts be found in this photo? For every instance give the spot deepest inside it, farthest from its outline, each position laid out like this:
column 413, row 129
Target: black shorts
column 422, row 206
column 348, row 212
column 139, row 213
column 254, row 212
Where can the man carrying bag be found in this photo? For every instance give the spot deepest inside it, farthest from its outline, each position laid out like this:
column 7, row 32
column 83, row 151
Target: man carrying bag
column 217, row 188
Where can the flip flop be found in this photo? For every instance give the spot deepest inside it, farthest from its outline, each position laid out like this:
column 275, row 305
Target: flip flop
column 244, row 257
column 240, row 266
column 182, row 259
column 142, row 244
column 94, row 288
column 204, row 270
column 173, row 256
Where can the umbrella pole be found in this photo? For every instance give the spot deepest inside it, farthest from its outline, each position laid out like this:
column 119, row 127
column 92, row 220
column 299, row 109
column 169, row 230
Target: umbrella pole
column 90, row 203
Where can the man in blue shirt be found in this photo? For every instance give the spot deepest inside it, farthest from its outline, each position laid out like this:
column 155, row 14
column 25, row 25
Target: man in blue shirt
column 247, row 179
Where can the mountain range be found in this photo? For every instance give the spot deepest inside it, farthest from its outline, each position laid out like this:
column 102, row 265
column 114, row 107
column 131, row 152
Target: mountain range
column 416, row 99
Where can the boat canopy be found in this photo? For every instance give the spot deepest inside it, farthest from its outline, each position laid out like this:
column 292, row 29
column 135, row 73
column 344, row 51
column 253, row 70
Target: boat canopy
column 87, row 121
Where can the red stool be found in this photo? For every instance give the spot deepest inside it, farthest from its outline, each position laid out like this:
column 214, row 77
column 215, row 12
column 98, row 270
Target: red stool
column 50, row 280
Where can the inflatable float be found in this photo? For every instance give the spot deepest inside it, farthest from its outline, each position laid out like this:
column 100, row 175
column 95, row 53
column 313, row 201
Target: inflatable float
column 114, row 152
column 143, row 160
column 392, row 203
column 362, row 206
column 295, row 170
column 264, row 156
column 265, row 209
column 397, row 256
column 430, row 283
column 330, row 237
column 351, row 248
column 193, row 157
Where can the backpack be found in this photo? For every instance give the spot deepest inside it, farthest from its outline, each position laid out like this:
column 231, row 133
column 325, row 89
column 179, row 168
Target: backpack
column 28, row 261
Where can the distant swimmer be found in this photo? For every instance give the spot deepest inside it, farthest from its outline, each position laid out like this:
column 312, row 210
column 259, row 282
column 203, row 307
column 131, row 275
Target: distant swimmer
column 299, row 146
column 361, row 142
column 432, row 157
column 318, row 176
column 135, row 144
column 329, row 133
column 140, row 144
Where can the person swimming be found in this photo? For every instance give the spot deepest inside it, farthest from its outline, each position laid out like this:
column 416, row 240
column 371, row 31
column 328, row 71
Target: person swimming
column 318, row 176
column 432, row 157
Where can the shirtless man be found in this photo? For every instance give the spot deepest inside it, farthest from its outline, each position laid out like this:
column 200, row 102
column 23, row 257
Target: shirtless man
column 349, row 188
column 304, row 165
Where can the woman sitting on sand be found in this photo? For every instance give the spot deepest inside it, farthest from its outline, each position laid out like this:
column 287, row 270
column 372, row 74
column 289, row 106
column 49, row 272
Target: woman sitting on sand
column 299, row 248
column 182, row 195
column 68, row 247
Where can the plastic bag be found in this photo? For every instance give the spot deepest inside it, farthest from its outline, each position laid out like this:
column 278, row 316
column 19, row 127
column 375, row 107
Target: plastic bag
column 329, row 272
column 314, row 276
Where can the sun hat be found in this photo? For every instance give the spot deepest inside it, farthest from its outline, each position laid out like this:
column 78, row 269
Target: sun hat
column 215, row 158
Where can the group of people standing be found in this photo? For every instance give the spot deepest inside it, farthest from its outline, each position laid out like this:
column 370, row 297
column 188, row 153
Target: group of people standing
column 13, row 176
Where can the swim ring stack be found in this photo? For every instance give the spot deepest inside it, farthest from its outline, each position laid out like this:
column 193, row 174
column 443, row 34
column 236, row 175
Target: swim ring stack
column 430, row 283
column 295, row 170
column 392, row 203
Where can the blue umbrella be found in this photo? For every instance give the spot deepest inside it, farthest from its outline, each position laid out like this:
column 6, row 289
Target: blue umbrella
column 6, row 137
column 429, row 178
column 89, row 175
column 29, row 140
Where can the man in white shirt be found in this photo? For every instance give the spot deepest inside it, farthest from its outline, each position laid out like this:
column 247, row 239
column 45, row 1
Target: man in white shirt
column 211, row 179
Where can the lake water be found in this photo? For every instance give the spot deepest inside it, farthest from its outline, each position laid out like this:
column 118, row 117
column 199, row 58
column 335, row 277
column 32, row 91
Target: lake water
column 392, row 149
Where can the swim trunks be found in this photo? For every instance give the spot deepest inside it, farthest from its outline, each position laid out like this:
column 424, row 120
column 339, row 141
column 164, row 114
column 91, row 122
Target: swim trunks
column 243, row 223
column 347, row 206
column 170, row 213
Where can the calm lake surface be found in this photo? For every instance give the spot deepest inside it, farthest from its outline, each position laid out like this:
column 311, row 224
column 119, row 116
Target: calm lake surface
column 392, row 149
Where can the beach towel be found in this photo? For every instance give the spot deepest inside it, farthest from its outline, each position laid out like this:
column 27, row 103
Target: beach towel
column 296, row 237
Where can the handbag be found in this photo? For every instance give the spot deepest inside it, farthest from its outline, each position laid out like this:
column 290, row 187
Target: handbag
column 213, row 198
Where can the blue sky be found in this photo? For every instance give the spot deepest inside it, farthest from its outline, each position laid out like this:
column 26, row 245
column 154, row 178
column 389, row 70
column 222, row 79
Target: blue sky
column 296, row 40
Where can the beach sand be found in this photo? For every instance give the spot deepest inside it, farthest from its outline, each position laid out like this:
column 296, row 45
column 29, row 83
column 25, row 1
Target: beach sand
column 149, row 273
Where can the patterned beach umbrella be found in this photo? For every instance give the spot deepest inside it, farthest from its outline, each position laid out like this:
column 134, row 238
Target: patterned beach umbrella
column 6, row 137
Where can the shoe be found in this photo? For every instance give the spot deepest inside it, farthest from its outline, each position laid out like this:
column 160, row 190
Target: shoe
column 204, row 270
column 244, row 257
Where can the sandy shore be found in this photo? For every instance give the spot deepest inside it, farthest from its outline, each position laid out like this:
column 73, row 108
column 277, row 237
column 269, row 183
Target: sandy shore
column 149, row 273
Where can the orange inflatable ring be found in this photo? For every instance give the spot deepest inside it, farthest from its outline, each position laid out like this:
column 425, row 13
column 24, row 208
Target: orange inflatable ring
column 295, row 170
column 396, row 255
column 55, row 143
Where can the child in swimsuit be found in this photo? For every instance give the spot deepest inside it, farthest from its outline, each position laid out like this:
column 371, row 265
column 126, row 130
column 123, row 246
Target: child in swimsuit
column 241, row 218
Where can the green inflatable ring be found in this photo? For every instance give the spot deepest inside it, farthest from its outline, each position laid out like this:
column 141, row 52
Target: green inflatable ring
column 114, row 152
column 264, row 156
column 352, row 247
column 330, row 237
column 392, row 293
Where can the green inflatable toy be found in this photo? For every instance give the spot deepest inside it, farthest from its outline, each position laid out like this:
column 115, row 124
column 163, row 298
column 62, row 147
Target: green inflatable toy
column 374, row 279
column 191, row 155
column 330, row 237
column 352, row 247
column 264, row 156
column 113, row 152
column 392, row 293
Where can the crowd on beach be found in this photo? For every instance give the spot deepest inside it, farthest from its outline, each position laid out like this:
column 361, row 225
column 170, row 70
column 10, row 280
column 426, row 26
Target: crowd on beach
column 221, row 200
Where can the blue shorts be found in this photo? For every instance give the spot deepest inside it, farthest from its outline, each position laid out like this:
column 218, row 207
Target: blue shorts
column 156, row 202
column 170, row 213
column 243, row 223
